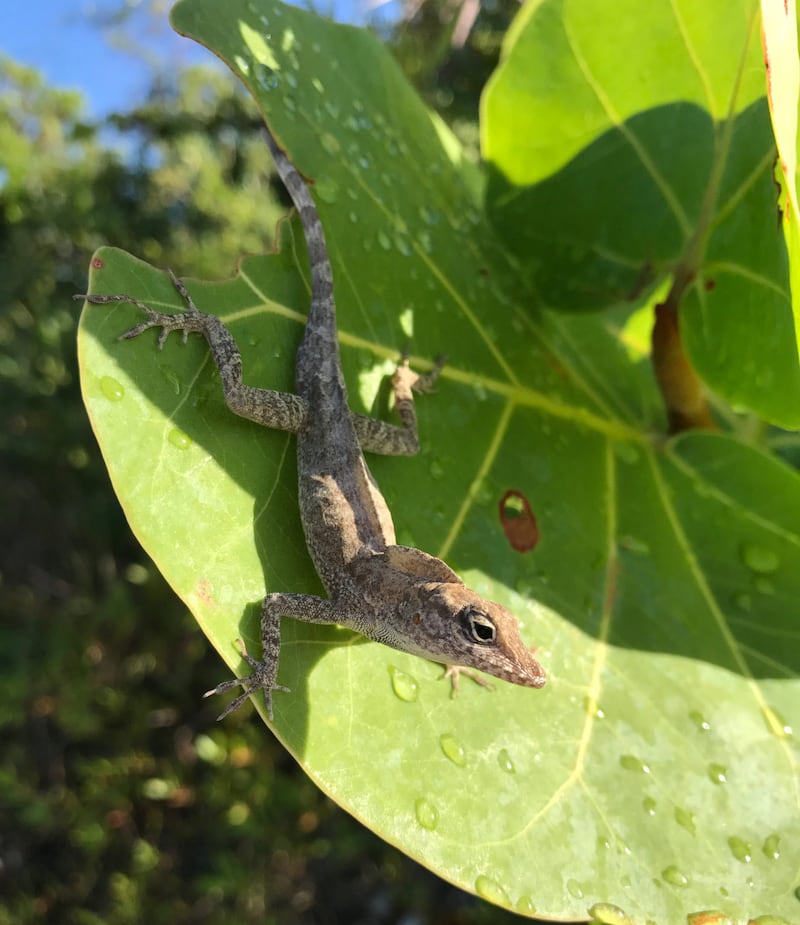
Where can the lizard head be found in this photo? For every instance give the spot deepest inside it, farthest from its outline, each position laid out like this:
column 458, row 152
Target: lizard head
column 458, row 626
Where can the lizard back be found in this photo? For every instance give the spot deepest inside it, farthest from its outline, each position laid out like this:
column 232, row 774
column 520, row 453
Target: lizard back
column 344, row 514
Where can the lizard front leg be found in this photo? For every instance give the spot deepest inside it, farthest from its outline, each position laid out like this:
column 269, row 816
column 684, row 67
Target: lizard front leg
column 376, row 436
column 279, row 410
column 304, row 607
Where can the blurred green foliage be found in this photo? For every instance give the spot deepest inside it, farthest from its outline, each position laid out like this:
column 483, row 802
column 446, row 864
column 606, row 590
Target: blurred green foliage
column 121, row 799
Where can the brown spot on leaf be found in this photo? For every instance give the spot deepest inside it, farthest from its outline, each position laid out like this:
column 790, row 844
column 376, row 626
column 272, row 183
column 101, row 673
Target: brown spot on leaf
column 518, row 521
column 97, row 263
column 709, row 284
column 203, row 591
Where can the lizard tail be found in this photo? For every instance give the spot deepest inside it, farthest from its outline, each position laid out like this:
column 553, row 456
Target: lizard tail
column 322, row 312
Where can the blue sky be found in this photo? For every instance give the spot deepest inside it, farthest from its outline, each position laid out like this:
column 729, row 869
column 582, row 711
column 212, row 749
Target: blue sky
column 111, row 67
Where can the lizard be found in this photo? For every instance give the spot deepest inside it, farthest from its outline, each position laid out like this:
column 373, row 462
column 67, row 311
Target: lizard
column 393, row 594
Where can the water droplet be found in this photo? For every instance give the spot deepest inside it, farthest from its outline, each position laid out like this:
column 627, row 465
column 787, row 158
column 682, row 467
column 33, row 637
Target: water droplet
column 291, row 80
column 764, row 585
column 717, row 773
column 490, row 889
column 330, row 143
column 743, row 601
column 403, row 246
column 603, row 843
column 699, row 720
column 243, row 65
column 266, row 78
column 760, row 559
column 626, row 452
column 574, row 889
column 386, row 179
column 505, row 762
column 776, row 724
column 436, row 469
column 649, row 805
column 634, row 544
column 384, row 241
column 428, row 215
column 426, row 813
column 740, row 849
column 453, row 749
column 332, row 109
column 674, row 876
column 632, row 763
column 113, row 390
column 772, row 847
column 317, row 84
column 425, row 242
column 609, row 914
column 404, row 686
column 593, row 708
column 179, row 439
column 327, row 189
column 685, row 819
column 525, row 905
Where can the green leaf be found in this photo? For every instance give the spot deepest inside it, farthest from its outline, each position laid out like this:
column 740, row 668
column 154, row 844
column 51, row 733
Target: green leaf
column 626, row 147
column 663, row 594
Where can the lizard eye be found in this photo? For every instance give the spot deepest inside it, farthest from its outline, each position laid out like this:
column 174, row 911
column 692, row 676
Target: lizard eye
column 477, row 626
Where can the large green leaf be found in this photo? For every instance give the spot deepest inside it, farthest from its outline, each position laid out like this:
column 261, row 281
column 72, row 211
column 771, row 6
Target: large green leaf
column 630, row 148
column 656, row 770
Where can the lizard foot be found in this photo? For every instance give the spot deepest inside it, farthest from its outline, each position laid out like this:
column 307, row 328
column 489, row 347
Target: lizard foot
column 262, row 678
column 192, row 320
column 405, row 380
column 455, row 671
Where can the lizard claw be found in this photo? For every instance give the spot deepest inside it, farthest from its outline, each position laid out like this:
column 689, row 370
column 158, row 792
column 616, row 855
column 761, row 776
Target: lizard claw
column 262, row 678
column 454, row 672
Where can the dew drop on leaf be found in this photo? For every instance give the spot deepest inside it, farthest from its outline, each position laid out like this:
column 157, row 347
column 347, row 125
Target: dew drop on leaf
column 505, row 762
column 404, row 686
column 609, row 914
column 330, row 143
column 574, row 889
column 740, row 849
column 327, row 189
column 674, row 876
column 699, row 720
column 428, row 215
column 403, row 246
column 490, row 889
column 179, row 439
column 717, row 773
column 453, row 749
column 760, row 559
column 384, row 241
column 632, row 763
column 649, row 806
column 776, row 724
column 112, row 389
column 685, row 819
column 436, row 470
column 626, row 452
column 525, row 905
column 426, row 813
column 772, row 847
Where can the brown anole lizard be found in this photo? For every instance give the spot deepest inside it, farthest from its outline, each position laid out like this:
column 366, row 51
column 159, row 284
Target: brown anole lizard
column 396, row 595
